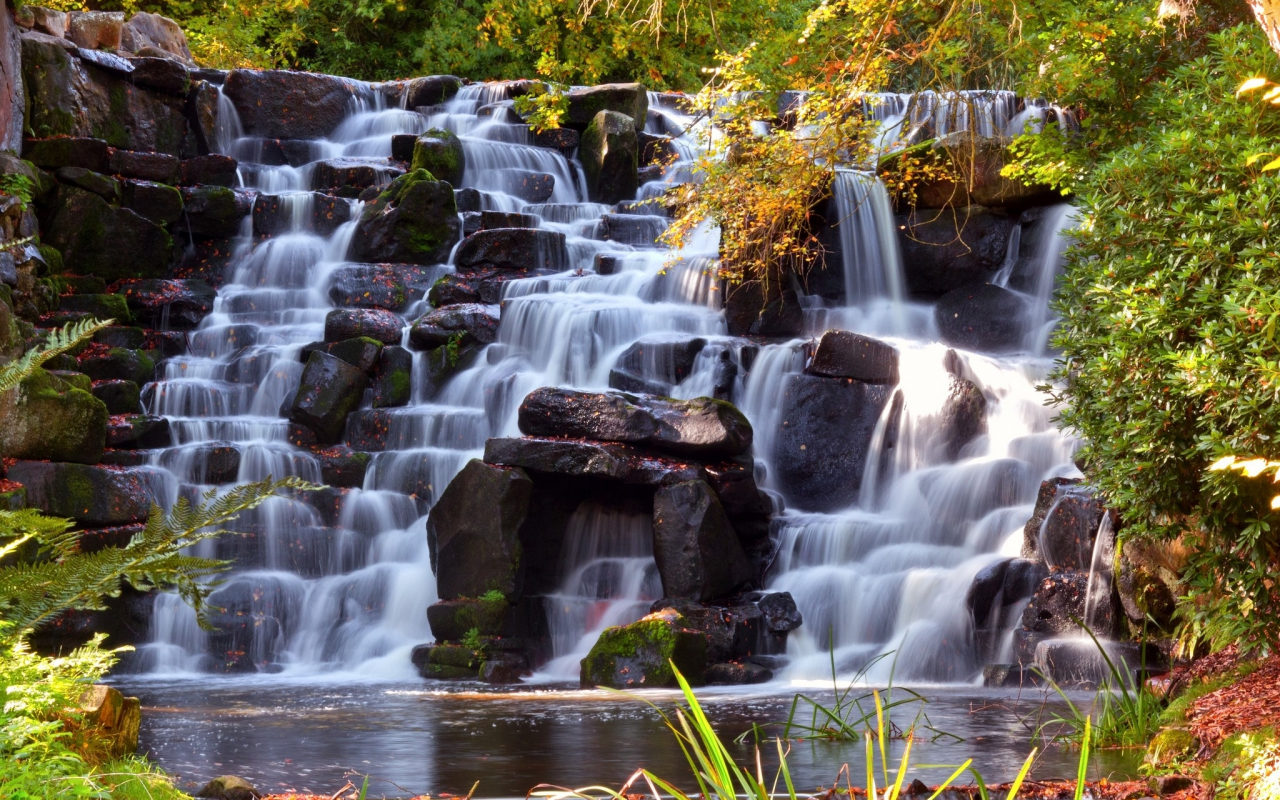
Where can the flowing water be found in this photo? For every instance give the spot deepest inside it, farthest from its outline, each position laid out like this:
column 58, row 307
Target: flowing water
column 342, row 599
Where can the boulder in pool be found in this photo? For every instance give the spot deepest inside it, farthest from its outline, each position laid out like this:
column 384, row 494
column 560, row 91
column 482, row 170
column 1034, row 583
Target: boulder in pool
column 641, row 655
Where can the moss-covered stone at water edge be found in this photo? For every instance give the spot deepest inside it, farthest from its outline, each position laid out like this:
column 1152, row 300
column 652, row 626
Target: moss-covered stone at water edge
column 641, row 654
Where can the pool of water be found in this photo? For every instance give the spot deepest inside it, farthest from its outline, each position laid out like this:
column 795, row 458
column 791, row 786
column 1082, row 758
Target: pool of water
column 428, row 738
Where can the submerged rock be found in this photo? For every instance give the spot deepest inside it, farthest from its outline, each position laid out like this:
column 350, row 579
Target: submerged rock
column 641, row 655
column 702, row 427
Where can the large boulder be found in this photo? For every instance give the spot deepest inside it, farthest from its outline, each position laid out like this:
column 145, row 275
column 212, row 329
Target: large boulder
column 749, row 311
column 653, row 365
column 440, row 153
column 629, row 99
column 696, row 549
column 282, row 104
column 513, row 249
column 610, row 158
column 703, row 427
column 464, row 324
column 963, row 417
column 642, row 654
column 1065, row 539
column 949, row 248
column 158, row 167
column 68, row 96
column 153, row 31
column 430, row 90
column 12, row 92
column 46, row 418
column 351, row 323
column 95, row 29
column 387, row 286
column 820, row 455
column 155, row 202
column 329, row 390
column 978, row 162
column 173, row 304
column 584, row 459
column 473, row 531
column 842, row 354
column 214, row 211
column 413, row 221
column 1061, row 603
column 98, row 239
column 983, row 317
column 92, row 496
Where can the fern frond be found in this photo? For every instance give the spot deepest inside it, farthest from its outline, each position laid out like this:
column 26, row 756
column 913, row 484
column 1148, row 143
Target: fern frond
column 58, row 341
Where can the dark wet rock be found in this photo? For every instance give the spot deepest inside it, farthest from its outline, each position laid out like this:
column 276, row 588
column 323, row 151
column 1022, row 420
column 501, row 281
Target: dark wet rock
column 473, row 531
column 950, row 248
column 208, row 260
column 214, row 211
column 655, row 149
column 732, row 673
column 735, row 485
column 347, row 176
column 702, row 427
column 103, row 186
column 441, row 364
column 202, row 114
column 360, row 352
column 448, row 662
column 632, row 229
column 87, row 153
column 273, row 214
column 156, row 202
column 986, row 593
column 160, row 74
column 696, row 549
column 341, row 466
column 385, row 286
column 99, row 306
column 440, row 153
column 413, row 221
column 120, row 397
column 629, row 99
column 490, row 220
column 576, row 458
column 513, row 249
column 157, row 167
column 402, row 146
column 749, row 313
column 350, row 323
column 280, row 104
column 1045, row 497
column 457, row 325
column 1066, row 536
column 1148, row 583
column 1060, row 600
column 983, row 317
column 105, row 241
column 780, row 612
column 229, row 787
column 529, row 186
column 821, row 452
column 842, row 354
column 175, row 304
column 562, row 139
column 118, row 363
column 138, row 432
column 643, row 653
column 656, row 361
column 215, row 462
column 92, row 496
column 468, row 199
column 210, row 170
column 980, row 160
column 393, row 378
column 1077, row 662
column 48, row 418
column 329, row 390
column 505, row 668
column 430, row 90
column 963, row 418
column 609, row 153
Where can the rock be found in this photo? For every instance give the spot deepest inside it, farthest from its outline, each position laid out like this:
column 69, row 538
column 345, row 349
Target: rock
column 1172, row 784
column 138, row 432
column 842, row 354
column 95, row 30
column 46, row 418
column 440, row 153
column 155, row 202
column 49, row 21
column 210, row 170
column 529, row 186
column 664, row 359
column 748, row 313
column 106, row 188
column 203, row 116
column 642, row 655
column 513, row 249
column 1148, row 582
column 92, row 496
column 68, row 152
column 694, row 544
column 979, row 160
column 99, row 306
column 162, row 74
column 214, row 211
column 610, row 153
column 617, row 462
column 631, row 229
column 986, row 593
column 737, row 674
column 451, row 620
column 111, row 243
column 76, row 380
column 1078, row 662
column 393, row 378
column 490, row 220
column 208, row 260
column 329, row 390
column 1169, row 747
column 274, row 214
column 120, row 397
column 281, row 104
column 215, row 462
column 448, row 662
column 472, row 531
column 702, row 427
column 414, row 221
column 963, row 417
column 145, row 30
column 441, row 364
column 402, row 146
column 118, row 363
column 360, row 352
column 781, row 615
column 158, row 167
column 563, row 139
column 172, row 304
column 350, row 323
column 1058, row 599
column 984, row 318
column 113, row 718
column 341, row 466
column 430, row 90
column 502, row 670
column 68, row 96
column 821, row 450
column 229, row 787
column 458, row 325
column 629, row 99
column 946, row 250
column 347, row 176
column 1065, row 537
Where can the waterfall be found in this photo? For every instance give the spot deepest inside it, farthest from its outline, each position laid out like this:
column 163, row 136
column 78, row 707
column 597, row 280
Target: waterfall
column 868, row 241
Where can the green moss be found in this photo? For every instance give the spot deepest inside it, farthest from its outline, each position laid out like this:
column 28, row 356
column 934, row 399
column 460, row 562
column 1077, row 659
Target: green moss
column 440, row 153
column 52, row 258
column 1176, row 712
column 1170, row 747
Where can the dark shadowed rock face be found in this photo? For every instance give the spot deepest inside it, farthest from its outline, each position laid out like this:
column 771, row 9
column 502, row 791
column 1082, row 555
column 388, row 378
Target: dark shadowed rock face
column 694, row 544
column 279, row 104
column 173, row 304
column 576, row 458
column 469, row 323
column 983, row 317
column 821, row 451
column 702, row 427
column 1066, row 537
column 780, row 612
column 106, row 241
column 330, row 389
column 473, row 531
column 392, row 378
column 350, row 323
column 610, row 157
column 948, row 248
column 842, row 354
column 386, row 286
column 92, row 496
column 513, row 249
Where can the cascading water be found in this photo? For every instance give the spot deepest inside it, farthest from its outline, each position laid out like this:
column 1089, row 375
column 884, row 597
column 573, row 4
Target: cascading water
column 348, row 589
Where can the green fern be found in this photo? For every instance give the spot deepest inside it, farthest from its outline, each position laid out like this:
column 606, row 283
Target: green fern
column 62, row 578
column 58, row 341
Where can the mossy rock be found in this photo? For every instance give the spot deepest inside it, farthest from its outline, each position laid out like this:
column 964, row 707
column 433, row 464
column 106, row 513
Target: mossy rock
column 1170, row 746
column 610, row 155
column 393, row 378
column 100, row 306
column 440, row 153
column 641, row 655
column 413, row 221
column 119, row 363
column 112, row 243
column 46, row 418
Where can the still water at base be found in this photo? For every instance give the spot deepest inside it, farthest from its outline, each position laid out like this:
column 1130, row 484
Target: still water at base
column 416, row 739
